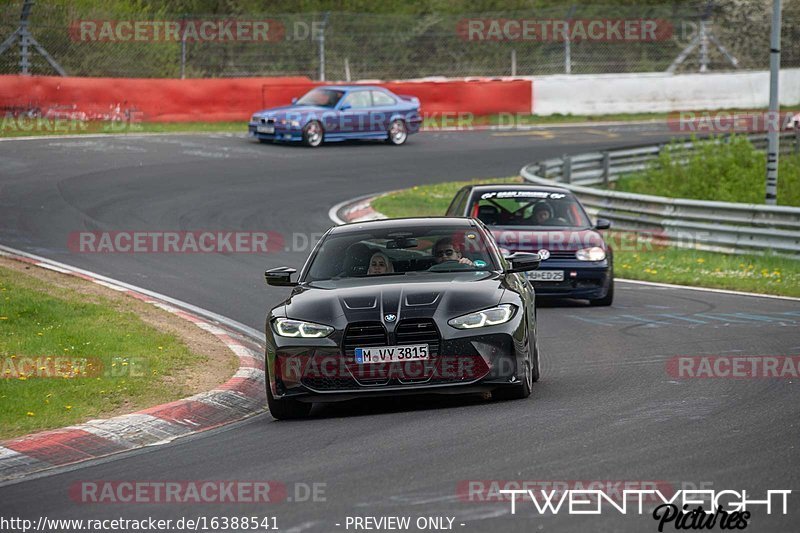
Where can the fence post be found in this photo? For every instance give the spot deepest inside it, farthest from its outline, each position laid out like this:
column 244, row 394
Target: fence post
column 322, row 47
column 568, row 43
column 606, row 168
column 513, row 61
column 566, row 170
column 183, row 55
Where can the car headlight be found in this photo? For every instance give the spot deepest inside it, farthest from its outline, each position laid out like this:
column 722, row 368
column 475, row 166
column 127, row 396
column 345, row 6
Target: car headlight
column 487, row 317
column 255, row 118
column 286, row 327
column 591, row 254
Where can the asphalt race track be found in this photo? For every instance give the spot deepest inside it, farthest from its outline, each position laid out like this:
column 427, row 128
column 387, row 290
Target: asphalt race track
column 606, row 408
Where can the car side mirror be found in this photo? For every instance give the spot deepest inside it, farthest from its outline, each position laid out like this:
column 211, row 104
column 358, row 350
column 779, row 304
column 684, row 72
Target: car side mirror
column 345, row 107
column 280, row 277
column 294, row 100
column 602, row 223
column 522, row 262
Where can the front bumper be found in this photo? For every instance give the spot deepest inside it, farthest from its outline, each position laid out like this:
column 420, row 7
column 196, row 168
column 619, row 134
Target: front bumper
column 280, row 133
column 320, row 370
column 582, row 279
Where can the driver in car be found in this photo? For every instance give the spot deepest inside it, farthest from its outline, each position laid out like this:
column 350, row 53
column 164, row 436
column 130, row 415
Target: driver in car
column 446, row 250
column 542, row 214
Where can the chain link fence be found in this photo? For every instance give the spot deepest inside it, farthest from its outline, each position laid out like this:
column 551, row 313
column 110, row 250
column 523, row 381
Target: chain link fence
column 722, row 36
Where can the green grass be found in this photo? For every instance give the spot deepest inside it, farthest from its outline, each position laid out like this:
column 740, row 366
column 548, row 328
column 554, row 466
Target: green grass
column 751, row 273
column 9, row 129
column 118, row 362
column 426, row 200
column 732, row 171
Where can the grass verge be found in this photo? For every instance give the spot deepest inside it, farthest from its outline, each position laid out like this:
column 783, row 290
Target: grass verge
column 750, row 273
column 71, row 351
column 731, row 171
column 68, row 127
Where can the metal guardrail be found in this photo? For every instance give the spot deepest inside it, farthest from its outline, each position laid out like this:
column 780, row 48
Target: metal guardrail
column 705, row 225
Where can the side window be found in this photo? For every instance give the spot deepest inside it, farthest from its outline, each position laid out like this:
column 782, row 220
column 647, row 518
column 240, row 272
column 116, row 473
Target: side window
column 462, row 204
column 453, row 210
column 359, row 100
column 380, row 98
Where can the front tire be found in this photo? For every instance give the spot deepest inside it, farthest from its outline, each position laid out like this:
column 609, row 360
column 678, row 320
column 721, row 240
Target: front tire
column 523, row 389
column 608, row 299
column 286, row 409
column 313, row 134
column 537, row 364
column 398, row 133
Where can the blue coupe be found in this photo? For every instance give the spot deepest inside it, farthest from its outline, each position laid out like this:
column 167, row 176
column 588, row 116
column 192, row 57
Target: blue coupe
column 338, row 113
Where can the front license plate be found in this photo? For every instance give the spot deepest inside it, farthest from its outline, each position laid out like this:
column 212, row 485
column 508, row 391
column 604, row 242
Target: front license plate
column 265, row 129
column 392, row 354
column 546, row 275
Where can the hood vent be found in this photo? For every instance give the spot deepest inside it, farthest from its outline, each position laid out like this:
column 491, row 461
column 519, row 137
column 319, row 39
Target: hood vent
column 360, row 302
column 422, row 298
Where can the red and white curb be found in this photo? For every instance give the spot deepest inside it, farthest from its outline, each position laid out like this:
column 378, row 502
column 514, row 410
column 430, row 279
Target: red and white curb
column 241, row 396
column 356, row 210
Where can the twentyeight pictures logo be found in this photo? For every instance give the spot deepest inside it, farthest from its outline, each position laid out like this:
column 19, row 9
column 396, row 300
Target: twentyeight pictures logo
column 685, row 509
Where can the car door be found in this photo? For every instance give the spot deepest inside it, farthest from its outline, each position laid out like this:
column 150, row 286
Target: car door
column 383, row 107
column 354, row 111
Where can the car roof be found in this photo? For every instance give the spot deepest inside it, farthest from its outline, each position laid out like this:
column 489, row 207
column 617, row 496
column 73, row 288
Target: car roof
column 411, row 222
column 351, row 87
column 483, row 187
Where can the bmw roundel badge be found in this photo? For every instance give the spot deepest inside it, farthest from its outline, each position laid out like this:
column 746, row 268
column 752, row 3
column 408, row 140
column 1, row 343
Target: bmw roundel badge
column 390, row 317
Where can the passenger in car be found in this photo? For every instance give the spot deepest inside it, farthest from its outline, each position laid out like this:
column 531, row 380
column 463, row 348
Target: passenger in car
column 379, row 263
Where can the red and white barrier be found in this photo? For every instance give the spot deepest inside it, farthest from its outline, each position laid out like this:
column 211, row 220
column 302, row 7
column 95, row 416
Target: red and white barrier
column 231, row 99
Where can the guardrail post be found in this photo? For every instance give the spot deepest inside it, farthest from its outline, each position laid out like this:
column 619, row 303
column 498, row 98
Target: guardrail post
column 606, row 168
column 566, row 170
column 542, row 169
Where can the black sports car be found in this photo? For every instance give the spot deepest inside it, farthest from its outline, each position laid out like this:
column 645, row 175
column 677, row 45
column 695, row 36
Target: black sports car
column 402, row 306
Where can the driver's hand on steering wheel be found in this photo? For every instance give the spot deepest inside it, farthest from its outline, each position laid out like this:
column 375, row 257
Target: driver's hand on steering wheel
column 465, row 261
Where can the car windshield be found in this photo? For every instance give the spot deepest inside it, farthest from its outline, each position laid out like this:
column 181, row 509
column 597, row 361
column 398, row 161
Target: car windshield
column 400, row 251
column 530, row 208
column 321, row 97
